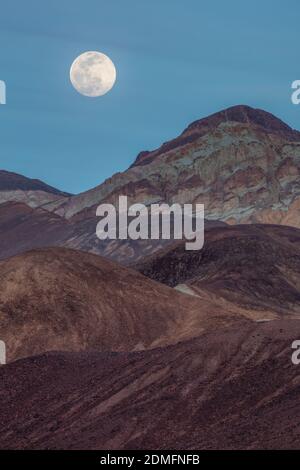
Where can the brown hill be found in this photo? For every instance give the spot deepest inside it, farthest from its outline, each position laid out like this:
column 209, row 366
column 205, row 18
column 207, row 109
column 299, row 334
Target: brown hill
column 23, row 228
column 253, row 266
column 61, row 299
column 230, row 389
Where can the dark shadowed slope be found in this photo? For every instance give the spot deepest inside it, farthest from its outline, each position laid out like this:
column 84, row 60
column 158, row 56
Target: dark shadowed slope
column 230, row 389
column 255, row 266
column 64, row 299
column 32, row 192
column 23, row 228
column 12, row 182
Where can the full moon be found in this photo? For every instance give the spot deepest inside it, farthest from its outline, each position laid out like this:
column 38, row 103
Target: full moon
column 93, row 74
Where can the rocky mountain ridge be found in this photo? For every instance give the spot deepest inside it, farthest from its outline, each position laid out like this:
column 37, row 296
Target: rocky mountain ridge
column 242, row 163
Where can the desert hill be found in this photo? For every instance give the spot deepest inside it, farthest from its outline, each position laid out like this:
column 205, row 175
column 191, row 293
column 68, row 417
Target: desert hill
column 229, row 389
column 62, row 299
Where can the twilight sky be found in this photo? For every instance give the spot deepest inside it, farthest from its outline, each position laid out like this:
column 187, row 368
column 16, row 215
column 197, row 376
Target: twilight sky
column 176, row 61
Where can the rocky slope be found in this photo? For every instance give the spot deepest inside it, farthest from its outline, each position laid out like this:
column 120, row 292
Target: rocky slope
column 60, row 299
column 230, row 389
column 255, row 266
column 242, row 163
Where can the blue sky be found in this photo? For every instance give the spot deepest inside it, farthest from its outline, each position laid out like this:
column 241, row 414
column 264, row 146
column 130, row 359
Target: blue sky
column 176, row 61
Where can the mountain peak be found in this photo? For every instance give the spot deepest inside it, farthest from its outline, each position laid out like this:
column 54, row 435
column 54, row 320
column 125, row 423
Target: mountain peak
column 243, row 114
column 240, row 113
